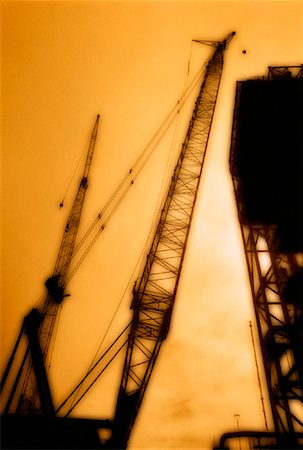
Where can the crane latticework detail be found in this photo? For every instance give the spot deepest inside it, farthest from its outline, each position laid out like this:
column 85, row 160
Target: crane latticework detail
column 280, row 334
column 276, row 280
column 155, row 294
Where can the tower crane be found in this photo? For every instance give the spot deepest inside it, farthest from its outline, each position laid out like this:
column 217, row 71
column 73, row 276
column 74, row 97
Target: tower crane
column 39, row 324
column 155, row 291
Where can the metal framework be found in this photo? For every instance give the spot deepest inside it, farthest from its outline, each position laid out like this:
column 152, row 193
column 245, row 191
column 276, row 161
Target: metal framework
column 285, row 71
column 276, row 285
column 39, row 323
column 154, row 297
column 279, row 333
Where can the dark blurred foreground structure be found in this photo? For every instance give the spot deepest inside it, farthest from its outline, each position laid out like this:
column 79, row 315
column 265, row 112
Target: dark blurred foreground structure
column 266, row 164
column 267, row 167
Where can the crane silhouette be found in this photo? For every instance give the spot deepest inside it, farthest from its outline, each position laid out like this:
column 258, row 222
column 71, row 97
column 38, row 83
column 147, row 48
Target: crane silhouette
column 153, row 299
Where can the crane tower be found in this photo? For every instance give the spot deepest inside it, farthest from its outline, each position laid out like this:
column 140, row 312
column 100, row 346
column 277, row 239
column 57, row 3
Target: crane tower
column 154, row 294
column 39, row 324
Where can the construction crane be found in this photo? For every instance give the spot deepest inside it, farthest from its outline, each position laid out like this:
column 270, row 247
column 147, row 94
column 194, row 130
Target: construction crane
column 155, row 291
column 39, row 324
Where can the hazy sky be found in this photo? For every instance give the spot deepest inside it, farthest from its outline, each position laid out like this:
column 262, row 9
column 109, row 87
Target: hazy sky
column 65, row 62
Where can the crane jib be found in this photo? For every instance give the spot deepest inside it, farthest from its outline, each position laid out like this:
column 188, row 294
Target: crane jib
column 156, row 292
column 35, row 394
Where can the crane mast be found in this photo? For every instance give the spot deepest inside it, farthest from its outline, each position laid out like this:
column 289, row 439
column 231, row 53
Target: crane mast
column 56, row 283
column 155, row 293
column 39, row 323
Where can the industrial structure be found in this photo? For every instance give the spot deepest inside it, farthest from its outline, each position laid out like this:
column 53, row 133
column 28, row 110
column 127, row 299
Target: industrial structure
column 258, row 164
column 38, row 325
column 266, row 164
column 32, row 412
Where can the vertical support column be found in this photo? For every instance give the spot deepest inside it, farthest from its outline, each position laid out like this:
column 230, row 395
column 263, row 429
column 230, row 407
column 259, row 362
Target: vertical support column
column 271, row 276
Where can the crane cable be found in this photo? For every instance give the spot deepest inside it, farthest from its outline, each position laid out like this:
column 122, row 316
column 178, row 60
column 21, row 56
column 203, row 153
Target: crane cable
column 76, row 391
column 96, row 378
column 121, row 185
column 182, row 100
column 53, row 340
column 92, row 368
column 131, row 173
column 168, row 164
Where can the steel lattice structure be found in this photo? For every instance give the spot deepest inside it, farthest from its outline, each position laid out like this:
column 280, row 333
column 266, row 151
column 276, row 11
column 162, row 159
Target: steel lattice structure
column 281, row 343
column 156, row 292
column 39, row 323
column 276, row 285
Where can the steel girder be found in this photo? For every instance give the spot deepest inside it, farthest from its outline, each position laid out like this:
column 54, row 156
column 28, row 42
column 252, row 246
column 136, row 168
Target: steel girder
column 155, row 295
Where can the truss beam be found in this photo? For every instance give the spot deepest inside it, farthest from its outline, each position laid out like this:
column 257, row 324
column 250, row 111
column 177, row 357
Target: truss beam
column 156, row 292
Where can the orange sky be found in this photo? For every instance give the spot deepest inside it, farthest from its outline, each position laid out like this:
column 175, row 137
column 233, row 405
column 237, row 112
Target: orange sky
column 65, row 62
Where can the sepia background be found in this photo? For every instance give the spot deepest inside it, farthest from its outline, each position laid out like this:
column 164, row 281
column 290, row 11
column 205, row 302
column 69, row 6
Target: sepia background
column 65, row 62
